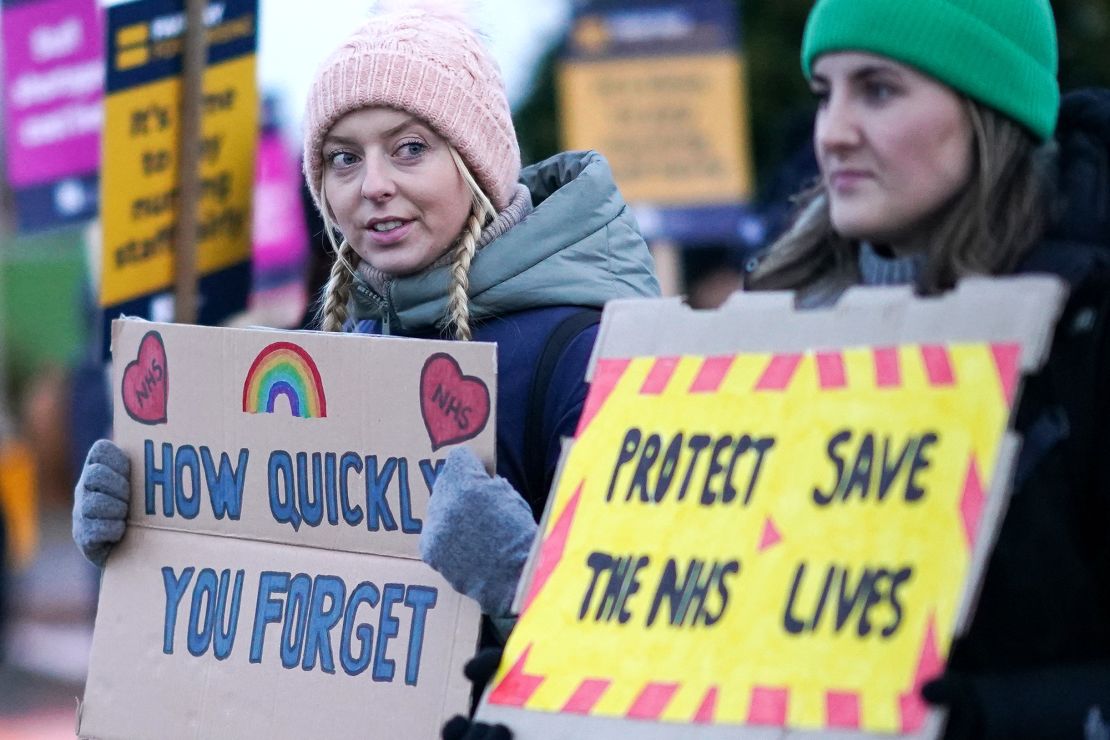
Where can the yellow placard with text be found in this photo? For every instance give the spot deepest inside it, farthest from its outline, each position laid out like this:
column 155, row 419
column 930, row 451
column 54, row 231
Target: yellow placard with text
column 764, row 539
column 674, row 128
column 140, row 172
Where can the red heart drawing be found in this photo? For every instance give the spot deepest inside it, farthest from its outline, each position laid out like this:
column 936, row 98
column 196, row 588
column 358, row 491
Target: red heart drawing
column 455, row 407
column 146, row 382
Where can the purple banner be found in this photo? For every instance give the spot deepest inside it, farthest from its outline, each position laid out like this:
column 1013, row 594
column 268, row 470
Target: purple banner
column 53, row 92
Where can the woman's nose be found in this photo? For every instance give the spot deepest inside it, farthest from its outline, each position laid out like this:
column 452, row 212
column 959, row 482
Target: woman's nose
column 377, row 182
column 836, row 126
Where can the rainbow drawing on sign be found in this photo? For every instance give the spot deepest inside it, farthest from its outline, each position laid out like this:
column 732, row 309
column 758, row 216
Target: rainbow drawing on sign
column 284, row 369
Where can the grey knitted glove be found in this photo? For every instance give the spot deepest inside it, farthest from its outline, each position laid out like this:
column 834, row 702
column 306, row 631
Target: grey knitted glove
column 477, row 532
column 100, row 500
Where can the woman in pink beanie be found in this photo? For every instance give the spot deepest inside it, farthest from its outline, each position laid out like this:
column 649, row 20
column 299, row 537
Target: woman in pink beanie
column 411, row 156
column 412, row 159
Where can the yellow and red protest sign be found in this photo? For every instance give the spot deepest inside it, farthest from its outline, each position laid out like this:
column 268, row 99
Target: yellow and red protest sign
column 770, row 539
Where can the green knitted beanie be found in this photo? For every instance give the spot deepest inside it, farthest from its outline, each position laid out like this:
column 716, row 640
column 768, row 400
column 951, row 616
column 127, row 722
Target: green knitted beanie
column 999, row 52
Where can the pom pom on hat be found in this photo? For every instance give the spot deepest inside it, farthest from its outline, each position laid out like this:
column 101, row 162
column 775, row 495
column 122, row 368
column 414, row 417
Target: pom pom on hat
column 424, row 58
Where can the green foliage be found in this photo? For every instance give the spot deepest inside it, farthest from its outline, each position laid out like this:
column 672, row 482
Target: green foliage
column 779, row 99
column 1084, row 32
column 41, row 284
column 537, row 119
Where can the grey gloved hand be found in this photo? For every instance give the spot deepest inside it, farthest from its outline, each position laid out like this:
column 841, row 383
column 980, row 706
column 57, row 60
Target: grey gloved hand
column 477, row 532
column 100, row 500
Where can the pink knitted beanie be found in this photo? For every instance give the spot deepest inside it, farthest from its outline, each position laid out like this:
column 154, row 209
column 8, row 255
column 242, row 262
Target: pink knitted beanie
column 426, row 60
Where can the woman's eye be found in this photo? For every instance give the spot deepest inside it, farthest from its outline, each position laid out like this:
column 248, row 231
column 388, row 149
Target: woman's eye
column 879, row 92
column 340, row 159
column 411, row 149
column 820, row 95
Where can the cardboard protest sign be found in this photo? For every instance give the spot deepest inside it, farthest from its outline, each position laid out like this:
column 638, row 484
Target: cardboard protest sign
column 772, row 522
column 269, row 583
column 53, row 82
column 634, row 74
column 141, row 158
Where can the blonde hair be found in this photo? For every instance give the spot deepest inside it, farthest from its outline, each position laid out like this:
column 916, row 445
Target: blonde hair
column 333, row 313
column 998, row 216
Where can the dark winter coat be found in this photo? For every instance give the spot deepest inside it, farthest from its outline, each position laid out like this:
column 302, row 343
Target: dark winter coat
column 1035, row 660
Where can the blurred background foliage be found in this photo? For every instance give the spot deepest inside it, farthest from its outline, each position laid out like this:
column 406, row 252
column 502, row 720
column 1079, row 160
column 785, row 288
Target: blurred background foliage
column 780, row 104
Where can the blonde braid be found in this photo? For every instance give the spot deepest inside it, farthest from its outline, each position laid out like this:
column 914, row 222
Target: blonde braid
column 458, row 306
column 481, row 213
column 337, row 291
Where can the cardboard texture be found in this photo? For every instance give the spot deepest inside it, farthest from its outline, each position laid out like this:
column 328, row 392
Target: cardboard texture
column 270, row 584
column 771, row 522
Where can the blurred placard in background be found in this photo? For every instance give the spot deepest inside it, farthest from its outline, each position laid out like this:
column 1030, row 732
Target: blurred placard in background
column 141, row 158
column 53, row 79
column 658, row 87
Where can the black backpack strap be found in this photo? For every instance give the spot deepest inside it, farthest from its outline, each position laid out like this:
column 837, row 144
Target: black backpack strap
column 535, row 462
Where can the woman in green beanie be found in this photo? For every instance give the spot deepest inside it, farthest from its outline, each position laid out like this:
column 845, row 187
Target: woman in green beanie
column 944, row 107
column 936, row 136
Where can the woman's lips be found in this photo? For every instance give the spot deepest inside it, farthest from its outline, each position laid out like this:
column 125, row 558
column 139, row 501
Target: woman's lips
column 842, row 180
column 392, row 236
